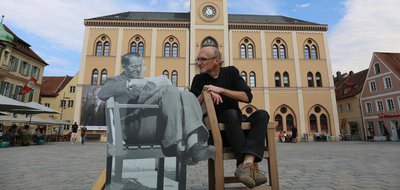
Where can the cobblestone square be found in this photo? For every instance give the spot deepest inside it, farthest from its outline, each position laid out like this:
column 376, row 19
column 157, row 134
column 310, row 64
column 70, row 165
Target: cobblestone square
column 313, row 165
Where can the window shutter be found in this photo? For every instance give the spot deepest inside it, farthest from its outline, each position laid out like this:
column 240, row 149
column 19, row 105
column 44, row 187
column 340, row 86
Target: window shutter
column 11, row 91
column 28, row 69
column 1, row 87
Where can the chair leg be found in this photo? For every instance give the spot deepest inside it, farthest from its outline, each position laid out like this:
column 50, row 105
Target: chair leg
column 160, row 174
column 118, row 169
column 211, row 175
column 108, row 169
column 182, row 174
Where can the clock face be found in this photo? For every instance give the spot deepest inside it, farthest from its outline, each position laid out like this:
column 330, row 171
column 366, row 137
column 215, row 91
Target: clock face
column 209, row 11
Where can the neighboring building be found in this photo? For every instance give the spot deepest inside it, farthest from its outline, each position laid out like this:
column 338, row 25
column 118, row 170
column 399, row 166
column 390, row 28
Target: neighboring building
column 348, row 91
column 285, row 60
column 18, row 63
column 59, row 93
column 380, row 98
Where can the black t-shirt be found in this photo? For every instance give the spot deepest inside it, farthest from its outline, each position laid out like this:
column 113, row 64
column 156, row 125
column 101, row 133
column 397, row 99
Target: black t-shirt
column 228, row 78
column 74, row 128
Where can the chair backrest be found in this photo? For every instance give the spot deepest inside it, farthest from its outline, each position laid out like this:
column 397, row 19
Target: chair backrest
column 116, row 124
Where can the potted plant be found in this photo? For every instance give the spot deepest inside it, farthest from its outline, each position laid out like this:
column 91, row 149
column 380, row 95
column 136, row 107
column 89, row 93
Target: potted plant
column 6, row 139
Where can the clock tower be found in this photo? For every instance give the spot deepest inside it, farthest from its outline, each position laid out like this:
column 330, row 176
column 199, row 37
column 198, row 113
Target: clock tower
column 208, row 27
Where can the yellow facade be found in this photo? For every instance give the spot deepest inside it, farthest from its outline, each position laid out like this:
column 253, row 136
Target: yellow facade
column 298, row 99
column 68, row 93
column 16, row 69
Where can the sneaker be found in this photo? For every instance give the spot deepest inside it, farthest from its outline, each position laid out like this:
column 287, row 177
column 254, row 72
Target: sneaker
column 245, row 172
column 259, row 177
column 199, row 152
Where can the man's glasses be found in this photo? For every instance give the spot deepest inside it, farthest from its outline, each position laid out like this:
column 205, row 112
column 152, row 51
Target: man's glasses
column 203, row 59
column 134, row 66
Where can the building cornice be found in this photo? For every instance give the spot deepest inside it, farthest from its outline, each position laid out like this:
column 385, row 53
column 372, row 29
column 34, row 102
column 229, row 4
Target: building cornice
column 231, row 26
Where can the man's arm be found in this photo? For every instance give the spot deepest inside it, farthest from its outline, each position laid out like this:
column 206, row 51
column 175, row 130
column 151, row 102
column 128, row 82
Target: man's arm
column 241, row 96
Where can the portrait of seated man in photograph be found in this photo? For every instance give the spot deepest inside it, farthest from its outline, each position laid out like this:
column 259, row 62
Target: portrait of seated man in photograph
column 179, row 119
column 93, row 111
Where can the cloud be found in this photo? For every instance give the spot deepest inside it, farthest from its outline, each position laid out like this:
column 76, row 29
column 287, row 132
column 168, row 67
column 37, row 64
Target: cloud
column 367, row 27
column 302, row 6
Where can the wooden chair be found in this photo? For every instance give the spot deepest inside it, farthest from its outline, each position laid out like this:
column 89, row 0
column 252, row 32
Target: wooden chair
column 216, row 178
column 119, row 150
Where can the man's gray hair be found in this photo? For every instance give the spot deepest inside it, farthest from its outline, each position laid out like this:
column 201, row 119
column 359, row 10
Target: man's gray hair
column 126, row 58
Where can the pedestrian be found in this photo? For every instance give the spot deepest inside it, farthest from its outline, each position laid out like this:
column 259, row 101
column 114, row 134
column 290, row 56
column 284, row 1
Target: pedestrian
column 83, row 134
column 74, row 132
column 294, row 134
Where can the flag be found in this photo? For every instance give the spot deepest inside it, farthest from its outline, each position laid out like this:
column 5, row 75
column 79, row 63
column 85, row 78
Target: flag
column 28, row 86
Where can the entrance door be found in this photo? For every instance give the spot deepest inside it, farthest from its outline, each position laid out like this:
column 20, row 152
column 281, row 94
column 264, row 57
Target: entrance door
column 355, row 135
column 393, row 126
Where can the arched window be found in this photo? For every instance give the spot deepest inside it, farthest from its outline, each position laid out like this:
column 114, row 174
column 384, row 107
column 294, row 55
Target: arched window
column 166, row 73
column 252, row 77
column 250, row 51
column 282, row 52
column 244, row 76
column 99, row 48
column 174, row 50
column 174, row 78
column 318, row 79
column 279, row 49
column 102, row 46
column 314, row 52
column 137, row 45
column 278, row 118
column 247, row 48
column 133, row 47
column 313, row 123
column 307, row 52
column 103, row 76
column 141, row 48
column 324, row 122
column 209, row 41
column 106, row 48
column 286, row 79
column 275, row 52
column 289, row 122
column 310, row 79
column 243, row 51
column 377, row 68
column 167, row 50
column 310, row 49
column 277, row 79
column 95, row 76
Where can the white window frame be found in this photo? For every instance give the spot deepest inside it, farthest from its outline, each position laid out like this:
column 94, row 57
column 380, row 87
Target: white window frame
column 366, row 107
column 47, row 104
column 385, row 84
column 387, row 105
column 398, row 101
column 370, row 87
column 70, row 103
column 349, row 107
column 377, row 106
column 72, row 89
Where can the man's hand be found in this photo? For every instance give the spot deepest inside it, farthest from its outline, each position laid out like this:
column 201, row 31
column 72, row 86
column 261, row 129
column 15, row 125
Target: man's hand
column 212, row 88
column 217, row 99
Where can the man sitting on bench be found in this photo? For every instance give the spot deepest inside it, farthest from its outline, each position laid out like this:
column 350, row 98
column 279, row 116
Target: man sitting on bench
column 227, row 88
column 181, row 128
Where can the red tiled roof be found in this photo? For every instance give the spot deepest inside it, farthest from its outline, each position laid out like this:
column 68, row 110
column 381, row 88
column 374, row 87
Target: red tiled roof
column 392, row 60
column 24, row 47
column 51, row 86
column 354, row 84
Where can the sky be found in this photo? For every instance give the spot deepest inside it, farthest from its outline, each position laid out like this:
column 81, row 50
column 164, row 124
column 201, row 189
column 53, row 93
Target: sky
column 357, row 28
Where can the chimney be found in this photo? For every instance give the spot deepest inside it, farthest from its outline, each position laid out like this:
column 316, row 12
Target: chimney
column 351, row 73
column 338, row 75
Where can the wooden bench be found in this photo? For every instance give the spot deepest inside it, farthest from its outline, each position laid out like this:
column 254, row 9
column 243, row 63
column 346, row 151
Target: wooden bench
column 216, row 178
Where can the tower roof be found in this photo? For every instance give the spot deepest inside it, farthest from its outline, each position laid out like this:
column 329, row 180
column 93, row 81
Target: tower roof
column 4, row 35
